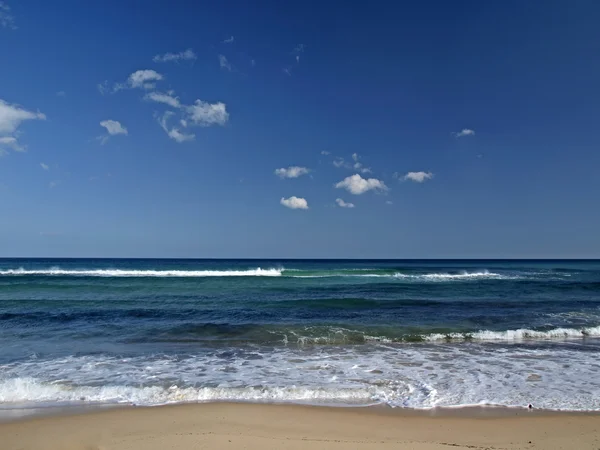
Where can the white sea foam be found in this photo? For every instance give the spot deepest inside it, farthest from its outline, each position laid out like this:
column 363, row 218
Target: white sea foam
column 56, row 271
column 421, row 376
column 518, row 335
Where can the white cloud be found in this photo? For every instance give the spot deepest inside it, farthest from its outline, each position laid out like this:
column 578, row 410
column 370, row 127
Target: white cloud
column 389, row 202
column 294, row 202
column 12, row 143
column 342, row 204
column 140, row 79
column 103, row 87
column 253, row 62
column 206, row 114
column 53, row 184
column 339, row 162
column 229, row 40
column 160, row 97
column 11, row 117
column 113, row 127
column 144, row 79
column 224, row 64
column 464, row 132
column 174, row 133
column 7, row 20
column 291, row 172
column 287, row 71
column 418, row 177
column 357, row 185
column 186, row 55
column 325, row 152
column 355, row 156
column 45, row 166
column 61, row 93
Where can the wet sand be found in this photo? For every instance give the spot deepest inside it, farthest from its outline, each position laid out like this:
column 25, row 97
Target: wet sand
column 260, row 427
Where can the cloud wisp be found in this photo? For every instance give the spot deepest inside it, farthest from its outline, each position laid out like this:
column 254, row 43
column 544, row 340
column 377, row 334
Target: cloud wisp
column 7, row 20
column 140, row 79
column 291, row 172
column 342, row 204
column 464, row 132
column 224, row 64
column 186, row 55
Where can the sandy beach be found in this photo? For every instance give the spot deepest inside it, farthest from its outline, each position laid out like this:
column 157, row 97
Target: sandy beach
column 253, row 427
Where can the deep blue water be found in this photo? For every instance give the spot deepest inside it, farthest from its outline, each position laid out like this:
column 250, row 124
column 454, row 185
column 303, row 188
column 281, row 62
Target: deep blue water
column 405, row 333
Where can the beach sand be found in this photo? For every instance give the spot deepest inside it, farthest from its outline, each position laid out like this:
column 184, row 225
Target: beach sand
column 261, row 427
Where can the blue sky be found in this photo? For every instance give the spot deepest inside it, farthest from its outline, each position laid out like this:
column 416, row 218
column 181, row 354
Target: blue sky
column 455, row 129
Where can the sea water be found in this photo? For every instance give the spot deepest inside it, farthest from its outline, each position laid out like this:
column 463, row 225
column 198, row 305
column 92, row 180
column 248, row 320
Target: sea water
column 414, row 334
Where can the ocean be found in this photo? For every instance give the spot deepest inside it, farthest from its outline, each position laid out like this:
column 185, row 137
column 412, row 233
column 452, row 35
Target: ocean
column 403, row 333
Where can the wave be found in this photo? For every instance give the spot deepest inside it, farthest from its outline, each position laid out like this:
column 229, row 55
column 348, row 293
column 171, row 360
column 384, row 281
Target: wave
column 521, row 334
column 334, row 336
column 257, row 272
column 31, row 390
column 56, row 271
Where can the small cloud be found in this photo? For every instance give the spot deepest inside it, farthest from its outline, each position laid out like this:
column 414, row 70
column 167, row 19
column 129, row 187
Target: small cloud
column 229, row 40
column 12, row 143
column 173, row 132
column 291, row 172
column 7, row 20
column 45, row 166
column 464, row 132
column 418, row 177
column 297, row 51
column 341, row 163
column 160, row 97
column 61, row 94
column 113, row 128
column 287, row 71
column 103, row 87
column 252, row 63
column 144, row 79
column 342, row 204
column 224, row 63
column 358, row 185
column 206, row 114
column 325, row 152
column 140, row 79
column 186, row 55
column 11, row 117
column 294, row 202
column 355, row 156
column 53, row 184
column 389, row 202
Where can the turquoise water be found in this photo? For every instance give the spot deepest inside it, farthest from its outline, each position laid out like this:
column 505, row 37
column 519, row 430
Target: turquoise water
column 416, row 334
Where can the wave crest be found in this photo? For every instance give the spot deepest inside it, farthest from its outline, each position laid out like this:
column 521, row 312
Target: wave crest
column 55, row 271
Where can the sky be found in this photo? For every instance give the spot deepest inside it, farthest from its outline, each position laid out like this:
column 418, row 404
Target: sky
column 270, row 129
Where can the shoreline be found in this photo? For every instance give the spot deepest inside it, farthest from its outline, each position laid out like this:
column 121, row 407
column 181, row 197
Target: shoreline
column 11, row 415
column 265, row 426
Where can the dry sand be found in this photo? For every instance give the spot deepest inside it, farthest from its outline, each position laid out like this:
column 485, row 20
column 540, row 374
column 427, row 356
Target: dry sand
column 261, row 427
